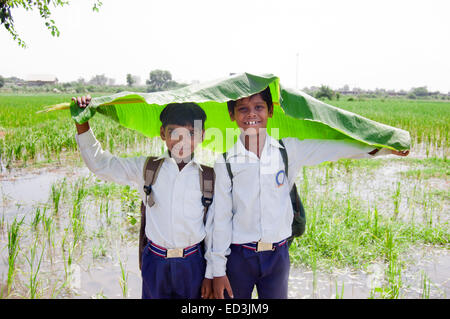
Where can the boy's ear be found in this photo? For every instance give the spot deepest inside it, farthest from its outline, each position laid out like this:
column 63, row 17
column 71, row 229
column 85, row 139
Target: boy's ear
column 271, row 112
column 231, row 116
column 162, row 133
column 199, row 137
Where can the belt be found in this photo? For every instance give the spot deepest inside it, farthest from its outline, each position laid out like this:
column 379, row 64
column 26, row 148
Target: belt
column 172, row 252
column 262, row 246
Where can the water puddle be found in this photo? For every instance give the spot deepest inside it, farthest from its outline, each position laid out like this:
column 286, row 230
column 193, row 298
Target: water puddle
column 426, row 265
column 22, row 190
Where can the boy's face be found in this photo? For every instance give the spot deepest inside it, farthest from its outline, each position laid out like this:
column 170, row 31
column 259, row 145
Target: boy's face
column 181, row 141
column 251, row 114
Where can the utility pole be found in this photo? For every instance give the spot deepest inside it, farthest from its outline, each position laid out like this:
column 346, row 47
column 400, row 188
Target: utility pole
column 296, row 72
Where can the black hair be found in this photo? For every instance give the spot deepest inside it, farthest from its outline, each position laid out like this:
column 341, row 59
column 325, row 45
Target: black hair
column 265, row 95
column 182, row 114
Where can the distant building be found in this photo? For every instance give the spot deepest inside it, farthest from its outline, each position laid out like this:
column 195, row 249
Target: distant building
column 41, row 79
column 15, row 81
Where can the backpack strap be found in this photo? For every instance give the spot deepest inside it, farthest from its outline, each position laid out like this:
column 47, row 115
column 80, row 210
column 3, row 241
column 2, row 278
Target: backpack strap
column 142, row 238
column 151, row 170
column 294, row 194
column 299, row 211
column 228, row 165
column 207, row 178
column 284, row 156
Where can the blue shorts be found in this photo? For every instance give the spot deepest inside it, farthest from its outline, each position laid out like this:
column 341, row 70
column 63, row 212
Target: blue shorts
column 172, row 278
column 268, row 270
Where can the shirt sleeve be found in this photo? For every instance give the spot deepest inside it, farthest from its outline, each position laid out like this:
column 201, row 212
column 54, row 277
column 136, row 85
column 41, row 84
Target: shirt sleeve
column 126, row 171
column 208, row 242
column 312, row 152
column 222, row 219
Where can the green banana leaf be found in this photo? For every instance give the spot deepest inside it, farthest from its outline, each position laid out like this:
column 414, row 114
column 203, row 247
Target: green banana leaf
column 296, row 114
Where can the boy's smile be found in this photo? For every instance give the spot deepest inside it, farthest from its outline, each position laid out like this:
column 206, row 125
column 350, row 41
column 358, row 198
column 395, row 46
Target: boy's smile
column 251, row 114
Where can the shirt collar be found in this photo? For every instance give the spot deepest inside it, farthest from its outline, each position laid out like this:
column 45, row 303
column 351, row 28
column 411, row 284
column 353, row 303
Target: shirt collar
column 166, row 155
column 239, row 148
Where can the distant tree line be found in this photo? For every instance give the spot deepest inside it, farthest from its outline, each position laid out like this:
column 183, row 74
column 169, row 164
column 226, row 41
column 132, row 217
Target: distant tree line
column 158, row 80
column 161, row 80
column 325, row 92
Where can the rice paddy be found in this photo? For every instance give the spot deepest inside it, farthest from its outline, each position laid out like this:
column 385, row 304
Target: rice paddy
column 375, row 228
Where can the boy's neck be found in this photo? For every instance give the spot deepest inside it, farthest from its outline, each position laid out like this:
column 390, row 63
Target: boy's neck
column 181, row 163
column 254, row 143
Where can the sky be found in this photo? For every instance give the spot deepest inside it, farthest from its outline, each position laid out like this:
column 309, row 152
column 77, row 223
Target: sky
column 389, row 44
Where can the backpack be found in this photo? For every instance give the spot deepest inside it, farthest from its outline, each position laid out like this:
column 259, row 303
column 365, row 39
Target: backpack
column 299, row 221
column 151, row 170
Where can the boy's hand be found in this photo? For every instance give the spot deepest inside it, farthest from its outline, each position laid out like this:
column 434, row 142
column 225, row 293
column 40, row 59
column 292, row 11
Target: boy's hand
column 82, row 101
column 207, row 289
column 219, row 284
column 400, row 153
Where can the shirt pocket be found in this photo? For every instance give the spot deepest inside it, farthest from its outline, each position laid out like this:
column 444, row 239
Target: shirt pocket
column 275, row 193
column 276, row 181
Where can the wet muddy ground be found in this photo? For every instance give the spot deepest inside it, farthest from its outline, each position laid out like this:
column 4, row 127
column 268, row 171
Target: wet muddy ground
column 105, row 264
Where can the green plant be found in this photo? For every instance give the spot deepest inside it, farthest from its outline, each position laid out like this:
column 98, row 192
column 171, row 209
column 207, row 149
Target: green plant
column 55, row 194
column 123, row 281
column 341, row 294
column 13, row 250
column 396, row 198
column 34, row 269
column 426, row 283
column 38, row 216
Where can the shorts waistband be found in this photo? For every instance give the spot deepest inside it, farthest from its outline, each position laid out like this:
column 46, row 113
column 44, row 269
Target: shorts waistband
column 173, row 252
column 260, row 246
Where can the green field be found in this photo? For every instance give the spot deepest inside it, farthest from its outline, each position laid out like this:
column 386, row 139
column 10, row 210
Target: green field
column 427, row 121
column 29, row 137
column 387, row 212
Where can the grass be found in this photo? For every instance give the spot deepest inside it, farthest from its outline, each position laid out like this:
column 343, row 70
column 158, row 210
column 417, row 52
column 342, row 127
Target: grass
column 13, row 250
column 426, row 287
column 56, row 192
column 123, row 280
column 428, row 168
column 34, row 269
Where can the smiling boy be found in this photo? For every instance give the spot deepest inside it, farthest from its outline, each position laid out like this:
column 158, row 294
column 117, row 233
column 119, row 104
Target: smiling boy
column 175, row 222
column 253, row 211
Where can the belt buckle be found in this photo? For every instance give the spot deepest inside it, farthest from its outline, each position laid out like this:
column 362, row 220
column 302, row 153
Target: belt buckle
column 261, row 246
column 175, row 253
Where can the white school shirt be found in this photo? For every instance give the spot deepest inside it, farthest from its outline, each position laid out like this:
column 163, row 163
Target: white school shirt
column 176, row 218
column 256, row 206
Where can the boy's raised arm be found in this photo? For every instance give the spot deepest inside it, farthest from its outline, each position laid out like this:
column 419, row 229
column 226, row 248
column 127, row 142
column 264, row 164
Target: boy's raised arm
column 125, row 171
column 313, row 152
